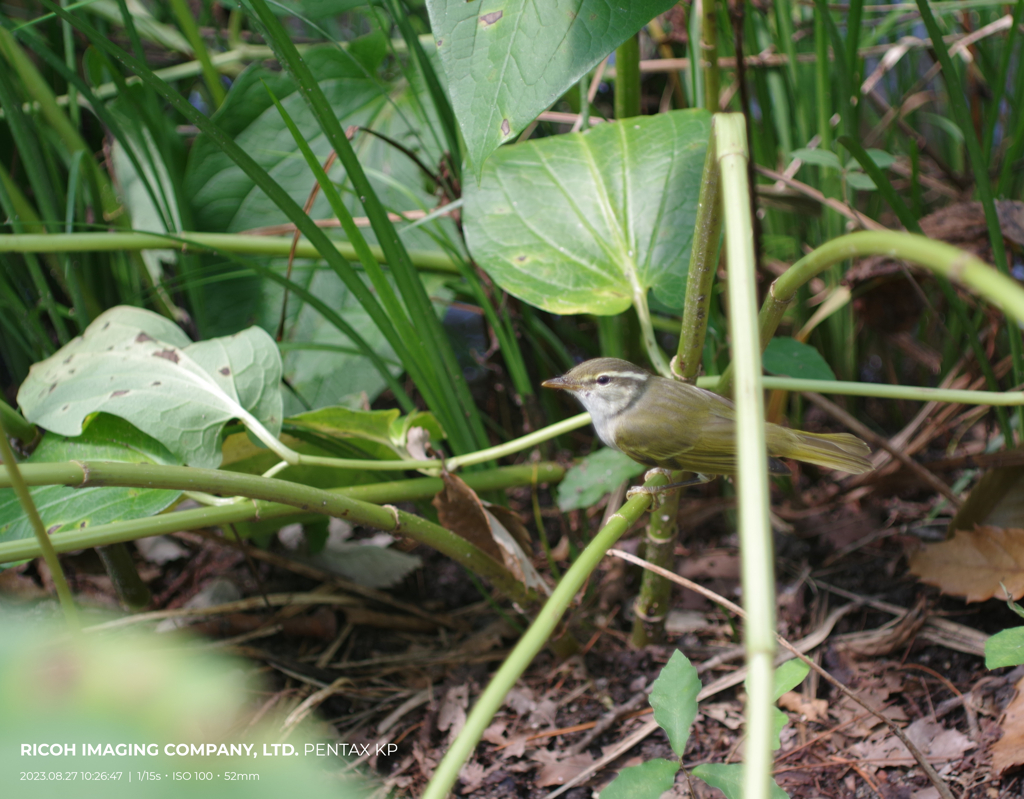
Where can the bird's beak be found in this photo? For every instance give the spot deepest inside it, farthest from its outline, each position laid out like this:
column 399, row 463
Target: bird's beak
column 559, row 382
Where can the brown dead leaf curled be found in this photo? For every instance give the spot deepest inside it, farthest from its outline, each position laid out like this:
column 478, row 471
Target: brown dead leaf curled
column 973, row 563
column 1008, row 751
column 460, row 510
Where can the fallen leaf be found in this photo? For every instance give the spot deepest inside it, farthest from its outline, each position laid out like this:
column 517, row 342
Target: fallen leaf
column 1008, row 751
column 559, row 768
column 934, row 740
column 460, row 510
column 973, row 563
column 813, row 710
column 472, row 776
column 452, row 714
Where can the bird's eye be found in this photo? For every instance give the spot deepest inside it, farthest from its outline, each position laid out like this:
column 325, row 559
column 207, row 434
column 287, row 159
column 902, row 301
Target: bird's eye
column 603, row 380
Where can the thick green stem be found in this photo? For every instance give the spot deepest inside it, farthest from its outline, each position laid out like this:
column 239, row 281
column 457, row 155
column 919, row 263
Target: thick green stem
column 700, row 277
column 627, row 78
column 757, row 560
column 313, row 500
column 652, row 604
column 532, row 642
column 49, row 554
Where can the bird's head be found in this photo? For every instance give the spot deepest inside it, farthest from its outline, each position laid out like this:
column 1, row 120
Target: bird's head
column 605, row 386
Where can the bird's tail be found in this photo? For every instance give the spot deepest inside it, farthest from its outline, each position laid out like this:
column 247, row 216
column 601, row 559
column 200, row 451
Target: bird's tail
column 841, row 451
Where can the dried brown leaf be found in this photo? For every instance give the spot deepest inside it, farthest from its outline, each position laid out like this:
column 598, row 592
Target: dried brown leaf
column 973, row 563
column 459, row 509
column 1008, row 751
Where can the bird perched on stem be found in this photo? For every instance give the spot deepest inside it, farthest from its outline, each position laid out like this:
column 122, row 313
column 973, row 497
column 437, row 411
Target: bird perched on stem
column 673, row 425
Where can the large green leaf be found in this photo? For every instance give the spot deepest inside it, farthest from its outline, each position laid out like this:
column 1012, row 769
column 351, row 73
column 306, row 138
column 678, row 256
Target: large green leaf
column 105, row 438
column 588, row 222
column 674, row 699
column 508, row 60
column 139, row 366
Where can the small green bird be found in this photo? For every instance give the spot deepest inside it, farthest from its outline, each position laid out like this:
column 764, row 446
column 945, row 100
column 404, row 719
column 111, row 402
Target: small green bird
column 673, row 425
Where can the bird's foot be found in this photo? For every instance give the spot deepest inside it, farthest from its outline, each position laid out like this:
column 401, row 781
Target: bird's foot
column 654, row 491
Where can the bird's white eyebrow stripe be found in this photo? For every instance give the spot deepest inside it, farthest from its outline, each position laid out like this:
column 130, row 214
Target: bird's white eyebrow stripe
column 627, row 375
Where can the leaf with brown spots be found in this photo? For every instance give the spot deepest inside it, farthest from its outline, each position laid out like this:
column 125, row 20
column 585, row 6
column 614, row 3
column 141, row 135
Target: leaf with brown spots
column 141, row 367
column 973, row 563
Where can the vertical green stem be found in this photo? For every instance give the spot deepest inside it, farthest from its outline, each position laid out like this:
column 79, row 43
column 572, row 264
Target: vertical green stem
column 700, row 277
column 655, row 591
column 49, row 555
column 752, row 479
column 651, row 606
column 709, row 55
column 627, row 78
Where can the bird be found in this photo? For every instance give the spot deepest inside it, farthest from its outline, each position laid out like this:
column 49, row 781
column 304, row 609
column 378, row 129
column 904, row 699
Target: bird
column 671, row 425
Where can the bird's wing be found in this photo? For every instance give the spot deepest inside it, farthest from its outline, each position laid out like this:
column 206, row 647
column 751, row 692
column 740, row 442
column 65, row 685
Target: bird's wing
column 680, row 427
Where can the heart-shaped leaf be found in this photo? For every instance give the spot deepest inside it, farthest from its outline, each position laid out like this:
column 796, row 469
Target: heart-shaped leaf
column 589, row 222
column 139, row 366
column 508, row 60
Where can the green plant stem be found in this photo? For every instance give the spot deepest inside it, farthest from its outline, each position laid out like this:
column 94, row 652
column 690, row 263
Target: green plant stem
column 16, row 425
column 655, row 596
column 709, row 55
column 276, row 498
column 395, row 491
column 700, row 277
column 240, row 243
column 627, row 78
column 756, row 555
column 884, row 391
column 532, row 642
column 188, row 26
column 655, row 591
column 49, row 554
column 936, row 256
